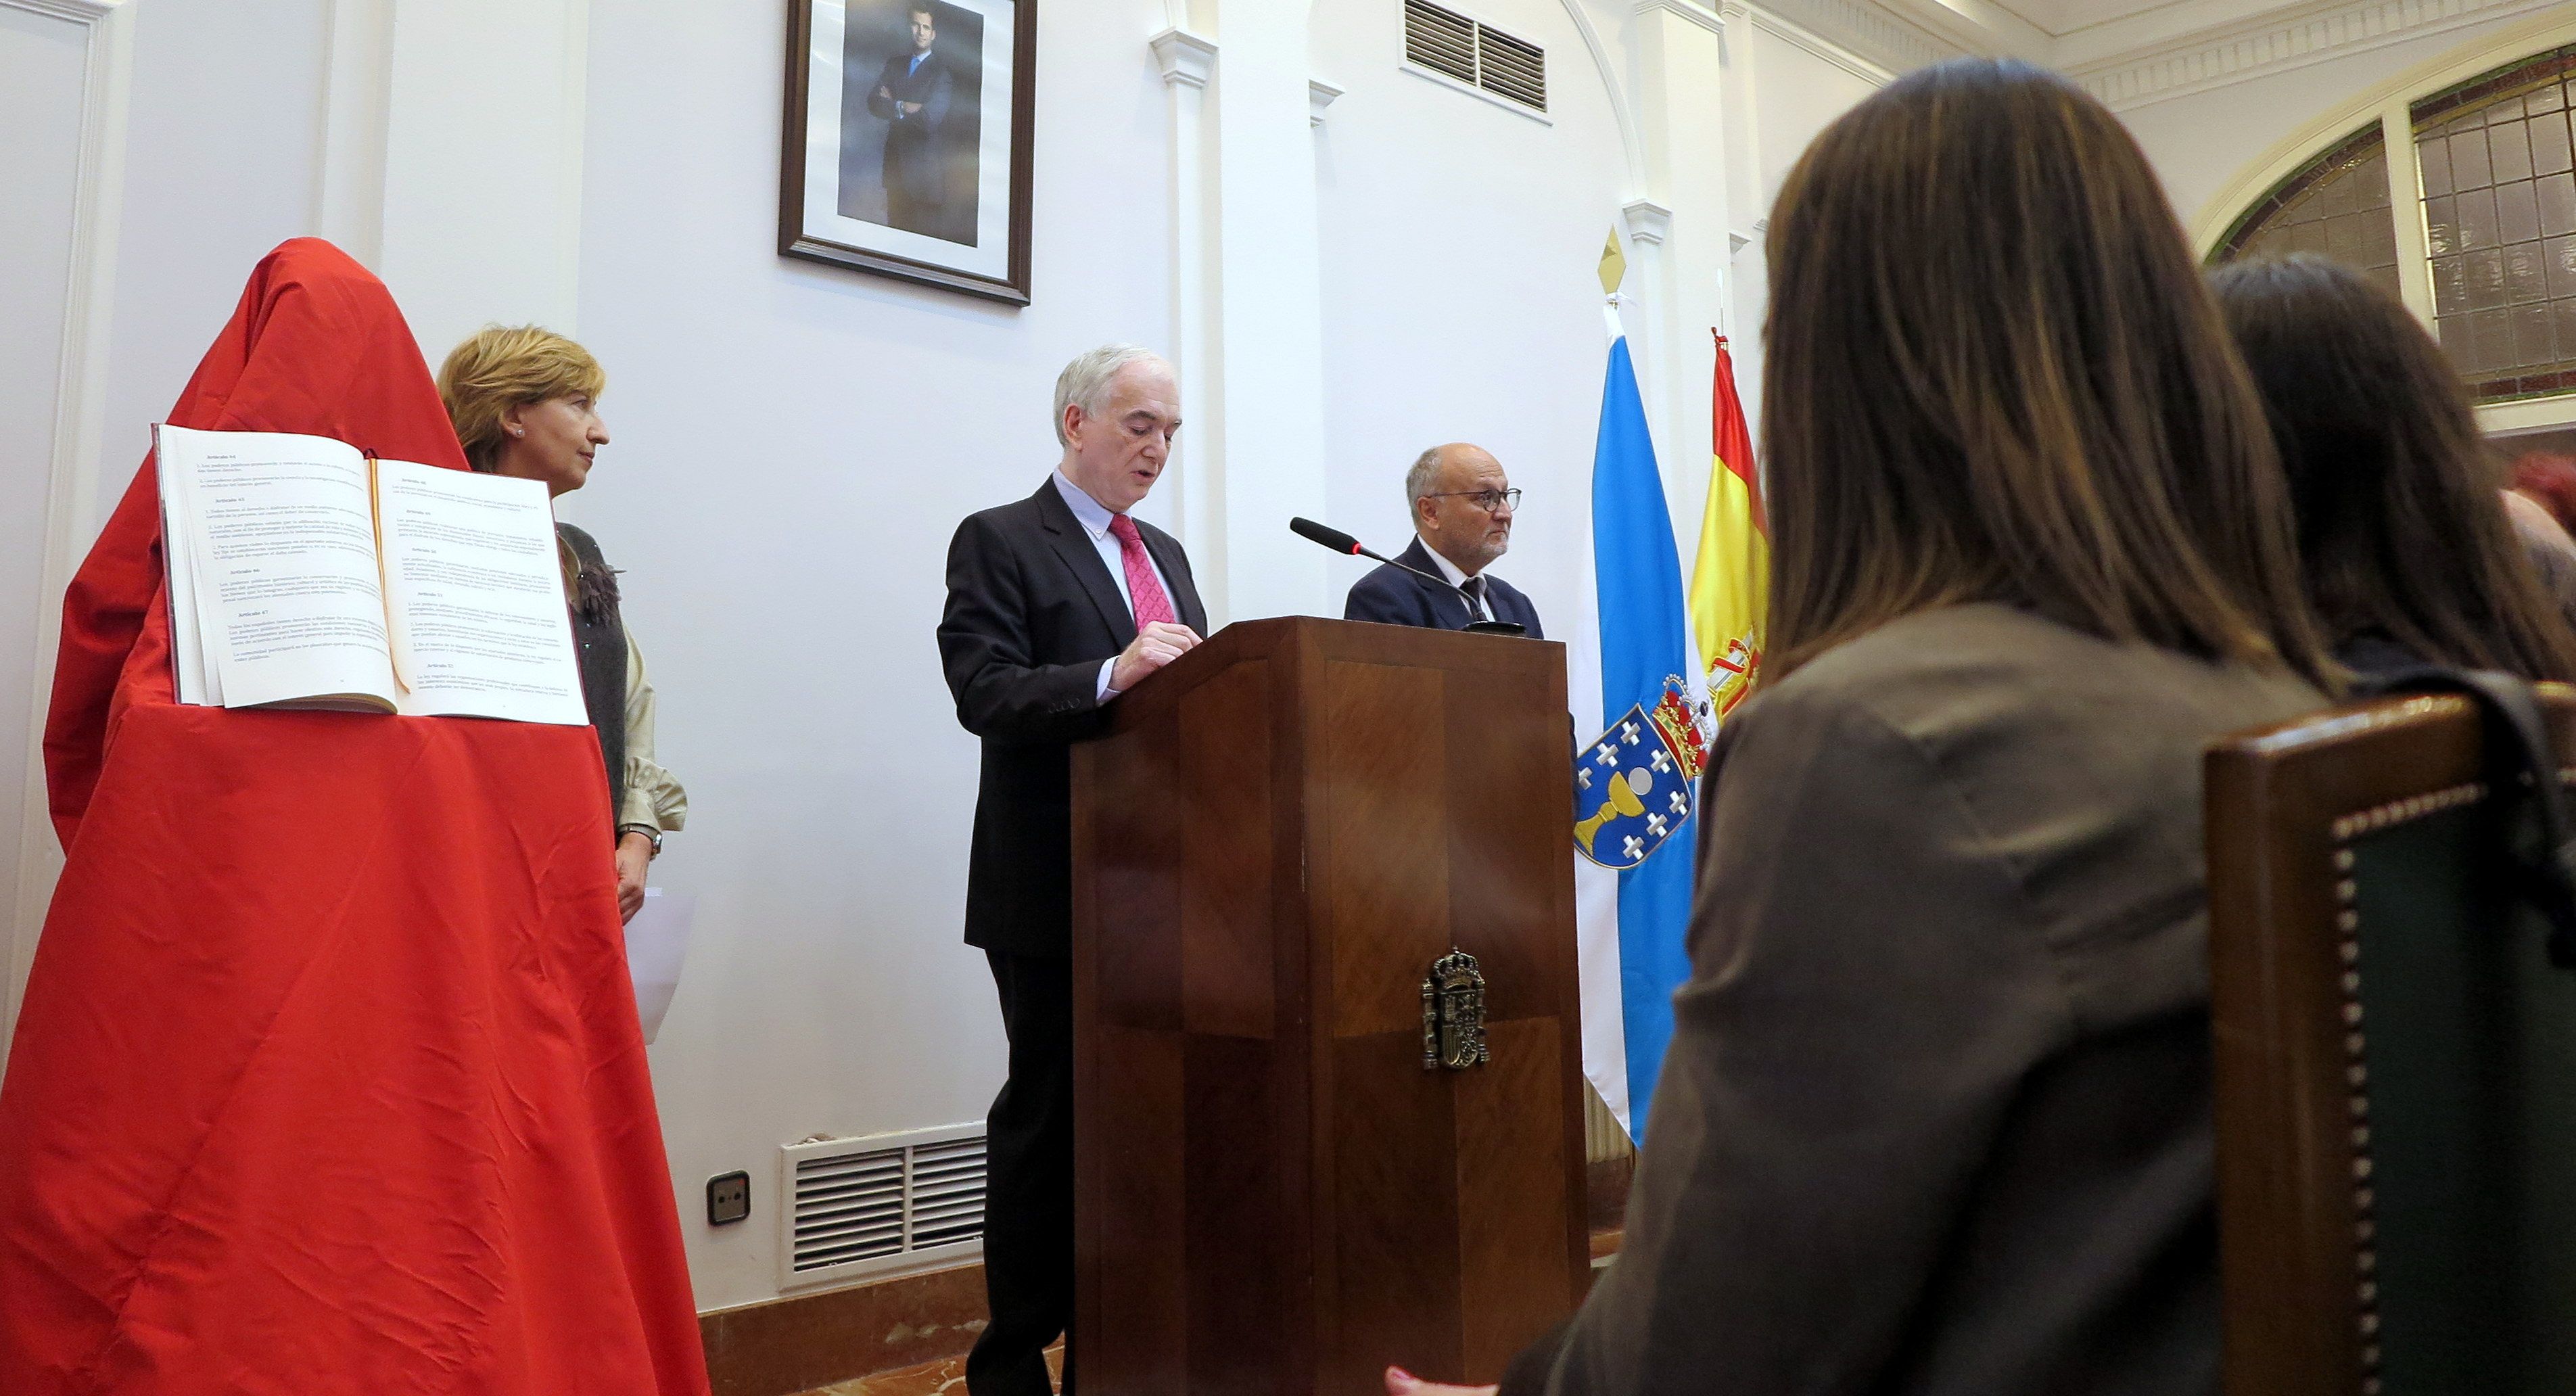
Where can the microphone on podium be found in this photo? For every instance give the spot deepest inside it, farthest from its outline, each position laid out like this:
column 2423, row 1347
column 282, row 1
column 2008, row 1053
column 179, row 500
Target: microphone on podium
column 1341, row 542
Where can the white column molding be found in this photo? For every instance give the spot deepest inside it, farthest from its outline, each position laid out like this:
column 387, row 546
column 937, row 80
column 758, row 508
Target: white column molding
column 1649, row 223
column 1319, row 95
column 1744, row 295
column 1631, row 145
column 1679, row 226
column 72, row 462
column 1269, row 330
column 1249, row 342
column 1690, row 11
column 1188, row 62
column 1185, row 59
column 486, row 107
column 2406, row 209
column 357, row 88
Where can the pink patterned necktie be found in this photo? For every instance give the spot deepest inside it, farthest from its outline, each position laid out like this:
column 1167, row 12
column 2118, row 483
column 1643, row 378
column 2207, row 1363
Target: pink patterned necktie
column 1144, row 593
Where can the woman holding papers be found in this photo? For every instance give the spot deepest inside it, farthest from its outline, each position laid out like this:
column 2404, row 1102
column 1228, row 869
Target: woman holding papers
column 525, row 403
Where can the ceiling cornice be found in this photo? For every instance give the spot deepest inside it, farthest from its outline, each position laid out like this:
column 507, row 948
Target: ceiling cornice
column 1977, row 26
column 2173, row 51
column 2201, row 62
column 1866, row 30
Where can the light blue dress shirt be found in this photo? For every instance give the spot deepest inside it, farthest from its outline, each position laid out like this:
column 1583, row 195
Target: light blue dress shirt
column 1094, row 518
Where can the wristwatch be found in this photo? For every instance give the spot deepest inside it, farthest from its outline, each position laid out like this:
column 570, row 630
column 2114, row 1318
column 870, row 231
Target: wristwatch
column 651, row 835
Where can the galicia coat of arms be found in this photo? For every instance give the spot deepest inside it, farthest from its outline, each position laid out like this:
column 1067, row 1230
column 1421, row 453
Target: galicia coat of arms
column 1635, row 784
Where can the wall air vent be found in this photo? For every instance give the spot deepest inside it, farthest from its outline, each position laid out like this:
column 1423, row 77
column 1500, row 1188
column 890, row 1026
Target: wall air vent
column 1439, row 40
column 1469, row 51
column 1512, row 68
column 885, row 1204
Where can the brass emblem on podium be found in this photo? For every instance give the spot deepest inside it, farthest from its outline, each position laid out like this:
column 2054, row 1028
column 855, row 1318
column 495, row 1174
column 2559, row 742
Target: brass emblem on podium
column 1453, row 1014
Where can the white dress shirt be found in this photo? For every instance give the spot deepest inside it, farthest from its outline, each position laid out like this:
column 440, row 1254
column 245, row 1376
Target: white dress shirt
column 1094, row 518
column 1479, row 609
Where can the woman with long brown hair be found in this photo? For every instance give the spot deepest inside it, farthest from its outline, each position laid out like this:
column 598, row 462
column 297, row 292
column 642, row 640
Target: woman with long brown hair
column 2409, row 554
column 1935, row 1117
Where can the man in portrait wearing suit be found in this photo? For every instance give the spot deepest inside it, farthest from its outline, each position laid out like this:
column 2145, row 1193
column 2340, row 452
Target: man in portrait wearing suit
column 1463, row 505
column 1056, row 605
column 913, row 93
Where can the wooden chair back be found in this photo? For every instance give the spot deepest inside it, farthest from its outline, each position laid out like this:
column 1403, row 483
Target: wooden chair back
column 2395, row 1058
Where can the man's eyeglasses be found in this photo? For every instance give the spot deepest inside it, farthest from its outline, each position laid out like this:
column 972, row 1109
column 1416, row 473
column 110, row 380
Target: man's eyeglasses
column 1491, row 501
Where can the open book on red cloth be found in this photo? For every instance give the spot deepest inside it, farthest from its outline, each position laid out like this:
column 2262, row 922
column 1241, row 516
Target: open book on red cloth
column 328, row 1077
column 303, row 572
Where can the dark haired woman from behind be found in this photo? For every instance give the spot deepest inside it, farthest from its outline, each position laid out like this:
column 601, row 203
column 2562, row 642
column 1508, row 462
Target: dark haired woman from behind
column 1935, row 1116
column 2409, row 554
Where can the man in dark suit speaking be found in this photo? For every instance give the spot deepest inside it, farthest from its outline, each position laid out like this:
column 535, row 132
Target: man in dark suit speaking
column 1056, row 605
column 1463, row 505
column 913, row 93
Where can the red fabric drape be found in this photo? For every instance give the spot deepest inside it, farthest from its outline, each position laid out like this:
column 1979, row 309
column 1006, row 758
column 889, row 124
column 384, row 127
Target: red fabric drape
column 328, row 1076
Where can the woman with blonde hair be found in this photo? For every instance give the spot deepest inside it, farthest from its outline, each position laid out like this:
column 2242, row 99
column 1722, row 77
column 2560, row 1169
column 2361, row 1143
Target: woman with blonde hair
column 525, row 403
column 1935, row 1118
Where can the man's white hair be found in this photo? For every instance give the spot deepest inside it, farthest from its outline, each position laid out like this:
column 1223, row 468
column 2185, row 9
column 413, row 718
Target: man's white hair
column 1424, row 477
column 1085, row 382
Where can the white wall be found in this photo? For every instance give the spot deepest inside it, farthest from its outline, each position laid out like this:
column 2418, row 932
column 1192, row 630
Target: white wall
column 1800, row 92
column 1460, row 296
column 220, row 167
column 50, row 62
column 793, row 446
column 481, row 186
column 1799, row 87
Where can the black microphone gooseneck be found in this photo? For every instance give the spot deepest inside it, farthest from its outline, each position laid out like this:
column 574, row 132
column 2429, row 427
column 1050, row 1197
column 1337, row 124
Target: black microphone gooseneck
column 1341, row 542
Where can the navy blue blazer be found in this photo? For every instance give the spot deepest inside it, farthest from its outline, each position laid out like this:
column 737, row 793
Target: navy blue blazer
column 1393, row 596
column 1032, row 610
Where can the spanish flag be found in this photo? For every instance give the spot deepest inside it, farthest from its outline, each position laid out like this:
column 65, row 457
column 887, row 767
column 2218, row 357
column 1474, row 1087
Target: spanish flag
column 1731, row 580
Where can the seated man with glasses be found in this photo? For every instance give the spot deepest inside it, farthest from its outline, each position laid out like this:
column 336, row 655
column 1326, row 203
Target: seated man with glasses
column 1462, row 511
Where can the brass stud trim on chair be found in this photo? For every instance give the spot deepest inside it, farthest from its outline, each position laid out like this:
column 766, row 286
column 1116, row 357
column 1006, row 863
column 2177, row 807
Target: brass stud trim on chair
column 2347, row 894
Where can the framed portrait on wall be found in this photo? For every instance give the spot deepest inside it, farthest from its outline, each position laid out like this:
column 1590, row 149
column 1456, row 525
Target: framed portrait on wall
column 907, row 140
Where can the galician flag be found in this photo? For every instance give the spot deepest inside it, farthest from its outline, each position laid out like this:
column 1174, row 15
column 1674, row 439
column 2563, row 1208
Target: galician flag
column 1635, row 782
column 1731, row 580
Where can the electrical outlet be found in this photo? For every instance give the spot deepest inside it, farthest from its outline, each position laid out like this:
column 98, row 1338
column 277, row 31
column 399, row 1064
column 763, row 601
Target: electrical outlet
column 728, row 1198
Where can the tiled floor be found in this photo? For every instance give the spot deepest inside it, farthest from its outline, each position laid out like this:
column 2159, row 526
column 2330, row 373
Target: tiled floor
column 945, row 1377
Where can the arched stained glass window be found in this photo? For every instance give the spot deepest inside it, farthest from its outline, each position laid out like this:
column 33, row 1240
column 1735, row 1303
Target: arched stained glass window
column 2336, row 205
column 2499, row 172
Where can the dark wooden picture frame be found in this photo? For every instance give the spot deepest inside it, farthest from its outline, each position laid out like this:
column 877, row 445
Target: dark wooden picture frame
column 879, row 245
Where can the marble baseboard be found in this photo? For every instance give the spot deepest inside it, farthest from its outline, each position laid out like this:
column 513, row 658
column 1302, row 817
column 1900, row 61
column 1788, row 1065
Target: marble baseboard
column 811, row 1342
column 1605, row 1186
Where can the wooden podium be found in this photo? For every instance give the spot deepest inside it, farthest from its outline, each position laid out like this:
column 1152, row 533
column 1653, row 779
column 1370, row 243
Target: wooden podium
column 1272, row 844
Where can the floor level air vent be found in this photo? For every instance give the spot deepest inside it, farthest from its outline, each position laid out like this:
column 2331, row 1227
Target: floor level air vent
column 1469, row 51
column 885, row 1204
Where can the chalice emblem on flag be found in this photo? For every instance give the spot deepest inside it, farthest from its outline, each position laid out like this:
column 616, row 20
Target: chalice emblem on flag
column 1634, row 784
